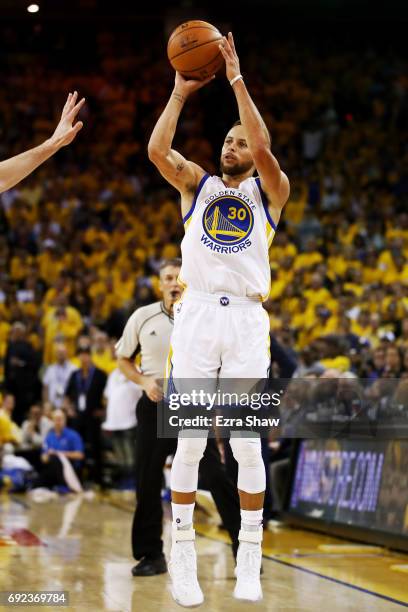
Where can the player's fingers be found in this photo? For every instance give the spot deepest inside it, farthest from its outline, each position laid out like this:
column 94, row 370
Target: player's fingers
column 232, row 44
column 75, row 110
column 67, row 102
column 226, row 44
column 72, row 102
column 74, row 98
column 228, row 51
column 223, row 51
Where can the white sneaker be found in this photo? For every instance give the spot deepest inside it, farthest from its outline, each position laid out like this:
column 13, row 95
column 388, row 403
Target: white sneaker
column 183, row 569
column 247, row 571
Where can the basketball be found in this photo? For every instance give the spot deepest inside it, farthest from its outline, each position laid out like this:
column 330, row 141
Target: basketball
column 193, row 50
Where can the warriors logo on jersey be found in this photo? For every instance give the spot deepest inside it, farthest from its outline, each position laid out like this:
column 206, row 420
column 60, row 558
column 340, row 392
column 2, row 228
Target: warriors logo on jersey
column 228, row 235
column 228, row 220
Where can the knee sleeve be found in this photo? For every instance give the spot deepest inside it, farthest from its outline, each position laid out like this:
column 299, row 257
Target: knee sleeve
column 251, row 468
column 191, row 450
column 184, row 471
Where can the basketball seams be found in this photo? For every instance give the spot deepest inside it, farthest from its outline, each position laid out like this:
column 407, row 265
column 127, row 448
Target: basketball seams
column 201, row 27
column 203, row 66
column 187, row 47
column 207, row 42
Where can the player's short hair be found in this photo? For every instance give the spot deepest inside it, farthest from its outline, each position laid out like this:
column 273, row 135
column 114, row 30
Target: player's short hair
column 175, row 262
column 238, row 122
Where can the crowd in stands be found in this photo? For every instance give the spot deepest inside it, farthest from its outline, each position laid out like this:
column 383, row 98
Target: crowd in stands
column 82, row 238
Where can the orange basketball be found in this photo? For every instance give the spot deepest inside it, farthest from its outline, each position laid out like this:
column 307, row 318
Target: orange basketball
column 193, row 49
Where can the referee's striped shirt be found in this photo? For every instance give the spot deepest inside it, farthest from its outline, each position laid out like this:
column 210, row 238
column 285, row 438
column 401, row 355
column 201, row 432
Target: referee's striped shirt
column 148, row 332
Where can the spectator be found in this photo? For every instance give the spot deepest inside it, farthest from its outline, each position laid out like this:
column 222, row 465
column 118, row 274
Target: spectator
column 85, row 391
column 20, row 369
column 60, row 321
column 102, row 355
column 377, row 364
column 9, row 431
column 393, row 362
column 34, row 430
column 63, row 452
column 122, row 396
column 56, row 377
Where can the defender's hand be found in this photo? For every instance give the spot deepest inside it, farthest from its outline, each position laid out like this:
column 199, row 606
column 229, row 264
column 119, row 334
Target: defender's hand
column 227, row 48
column 65, row 131
column 184, row 87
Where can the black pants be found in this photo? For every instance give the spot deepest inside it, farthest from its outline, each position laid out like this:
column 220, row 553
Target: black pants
column 151, row 453
column 51, row 475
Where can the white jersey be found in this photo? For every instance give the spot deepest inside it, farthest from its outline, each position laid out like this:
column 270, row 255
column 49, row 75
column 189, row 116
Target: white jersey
column 228, row 235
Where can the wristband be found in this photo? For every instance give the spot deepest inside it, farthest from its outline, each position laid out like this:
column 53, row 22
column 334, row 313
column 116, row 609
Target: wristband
column 235, row 79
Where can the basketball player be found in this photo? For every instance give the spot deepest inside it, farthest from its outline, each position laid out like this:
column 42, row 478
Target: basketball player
column 15, row 169
column 148, row 331
column 220, row 326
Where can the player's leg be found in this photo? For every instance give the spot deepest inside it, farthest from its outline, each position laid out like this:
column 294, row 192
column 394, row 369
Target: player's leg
column 184, row 479
column 223, row 490
column 245, row 360
column 251, row 488
column 194, row 356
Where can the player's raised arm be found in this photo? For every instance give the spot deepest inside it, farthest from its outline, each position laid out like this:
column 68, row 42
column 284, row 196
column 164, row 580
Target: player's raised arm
column 184, row 175
column 274, row 182
column 13, row 170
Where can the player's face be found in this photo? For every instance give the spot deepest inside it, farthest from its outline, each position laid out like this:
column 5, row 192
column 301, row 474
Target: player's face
column 235, row 156
column 169, row 286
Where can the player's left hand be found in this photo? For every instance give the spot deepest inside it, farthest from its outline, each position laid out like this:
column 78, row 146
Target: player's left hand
column 227, row 48
column 66, row 130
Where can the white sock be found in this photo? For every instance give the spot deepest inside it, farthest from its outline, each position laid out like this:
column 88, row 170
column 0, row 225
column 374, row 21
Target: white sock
column 182, row 515
column 251, row 520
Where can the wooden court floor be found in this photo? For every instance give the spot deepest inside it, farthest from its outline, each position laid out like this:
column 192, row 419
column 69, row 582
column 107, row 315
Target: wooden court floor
column 82, row 546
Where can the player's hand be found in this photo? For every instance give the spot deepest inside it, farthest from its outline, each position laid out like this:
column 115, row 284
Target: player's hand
column 152, row 389
column 227, row 48
column 67, row 129
column 185, row 87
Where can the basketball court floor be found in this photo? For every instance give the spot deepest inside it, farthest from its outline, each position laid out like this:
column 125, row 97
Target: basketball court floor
column 81, row 546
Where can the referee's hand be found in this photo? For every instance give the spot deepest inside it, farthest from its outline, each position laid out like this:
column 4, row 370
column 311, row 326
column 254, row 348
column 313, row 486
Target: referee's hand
column 152, row 389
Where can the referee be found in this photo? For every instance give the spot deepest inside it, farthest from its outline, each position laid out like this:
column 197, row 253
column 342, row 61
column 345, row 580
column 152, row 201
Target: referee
column 148, row 331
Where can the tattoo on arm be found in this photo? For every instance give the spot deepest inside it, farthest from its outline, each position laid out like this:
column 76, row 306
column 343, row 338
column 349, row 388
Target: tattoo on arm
column 178, row 97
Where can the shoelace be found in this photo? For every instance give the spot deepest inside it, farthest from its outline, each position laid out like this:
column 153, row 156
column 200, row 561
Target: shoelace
column 249, row 567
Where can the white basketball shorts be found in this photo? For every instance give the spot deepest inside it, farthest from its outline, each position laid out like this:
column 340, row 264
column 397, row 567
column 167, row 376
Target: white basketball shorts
column 219, row 336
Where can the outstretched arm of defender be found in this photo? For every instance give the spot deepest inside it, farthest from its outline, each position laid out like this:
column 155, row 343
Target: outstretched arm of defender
column 13, row 170
column 274, row 182
column 184, row 175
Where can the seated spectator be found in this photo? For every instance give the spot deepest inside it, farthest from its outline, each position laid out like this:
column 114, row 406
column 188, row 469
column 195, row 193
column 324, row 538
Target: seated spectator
column 63, row 452
column 34, row 430
column 9, row 431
